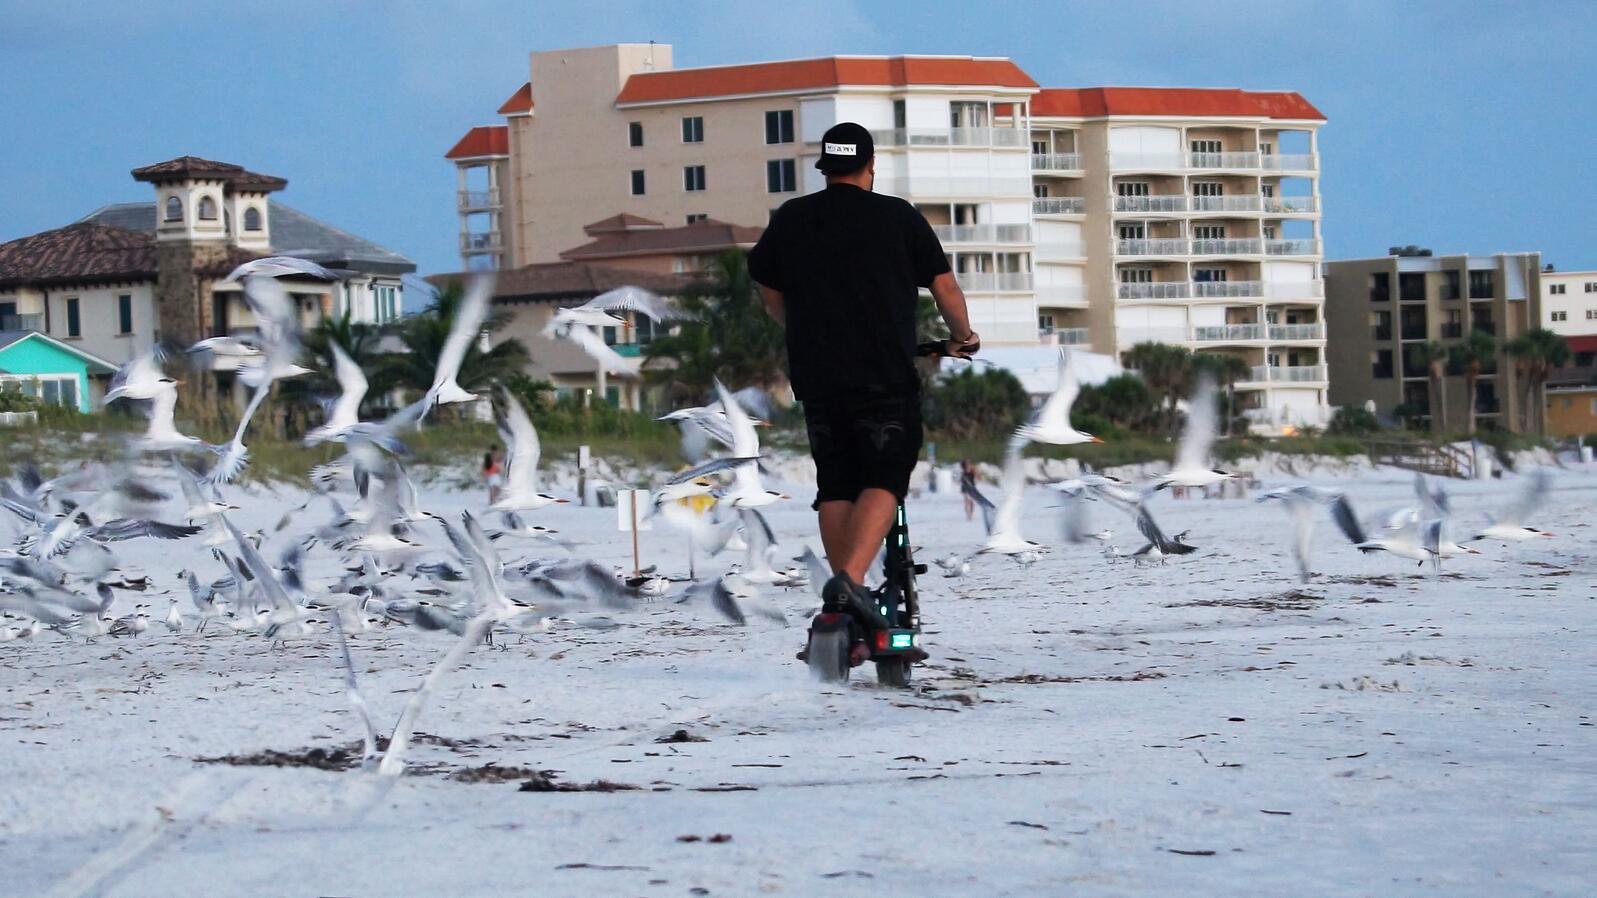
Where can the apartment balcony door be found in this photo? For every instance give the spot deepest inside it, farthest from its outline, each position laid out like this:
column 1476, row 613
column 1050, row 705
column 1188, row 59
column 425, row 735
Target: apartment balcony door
column 963, row 114
column 1273, row 359
column 1267, row 190
column 1208, row 188
column 1039, row 148
column 1014, row 263
column 1131, row 188
column 1210, row 275
column 1136, row 275
column 1208, row 232
column 1133, row 231
column 966, row 214
column 1206, row 146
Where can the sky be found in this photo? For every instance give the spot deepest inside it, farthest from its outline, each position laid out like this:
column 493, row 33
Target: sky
column 1452, row 125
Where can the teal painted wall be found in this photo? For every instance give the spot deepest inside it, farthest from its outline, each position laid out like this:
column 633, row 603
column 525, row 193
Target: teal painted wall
column 36, row 356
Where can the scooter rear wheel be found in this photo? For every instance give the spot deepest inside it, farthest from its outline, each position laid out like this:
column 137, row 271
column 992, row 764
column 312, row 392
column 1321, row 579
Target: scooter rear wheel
column 827, row 655
column 893, row 672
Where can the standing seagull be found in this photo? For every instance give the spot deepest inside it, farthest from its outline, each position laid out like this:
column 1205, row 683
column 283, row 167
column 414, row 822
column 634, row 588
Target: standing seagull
column 1051, row 424
column 1192, row 467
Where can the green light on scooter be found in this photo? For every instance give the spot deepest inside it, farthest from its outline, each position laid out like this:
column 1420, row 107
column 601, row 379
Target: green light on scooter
column 903, row 640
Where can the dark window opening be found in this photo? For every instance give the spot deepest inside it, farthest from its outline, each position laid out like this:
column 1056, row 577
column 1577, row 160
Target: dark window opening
column 124, row 314
column 1380, row 287
column 74, row 325
column 634, row 134
column 1481, row 284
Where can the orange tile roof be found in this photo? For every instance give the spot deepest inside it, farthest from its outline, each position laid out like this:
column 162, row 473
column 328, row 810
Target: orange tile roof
column 483, row 140
column 831, row 71
column 519, row 103
column 705, row 235
column 1095, row 102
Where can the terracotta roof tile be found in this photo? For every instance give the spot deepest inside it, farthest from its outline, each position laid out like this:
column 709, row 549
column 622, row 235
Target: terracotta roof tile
column 701, row 236
column 551, row 281
column 184, row 167
column 827, row 72
column 1096, row 102
column 616, row 224
column 520, row 102
column 86, row 253
column 483, row 140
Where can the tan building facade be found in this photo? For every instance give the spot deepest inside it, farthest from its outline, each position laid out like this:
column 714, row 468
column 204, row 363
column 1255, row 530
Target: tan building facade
column 1380, row 311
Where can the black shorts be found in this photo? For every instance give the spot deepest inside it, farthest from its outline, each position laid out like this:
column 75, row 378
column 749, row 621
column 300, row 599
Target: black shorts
column 861, row 445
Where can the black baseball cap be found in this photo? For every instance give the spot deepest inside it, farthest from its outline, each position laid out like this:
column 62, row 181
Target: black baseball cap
column 846, row 147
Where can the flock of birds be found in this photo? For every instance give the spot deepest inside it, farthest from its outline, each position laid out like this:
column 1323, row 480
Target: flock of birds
column 404, row 565
column 1417, row 532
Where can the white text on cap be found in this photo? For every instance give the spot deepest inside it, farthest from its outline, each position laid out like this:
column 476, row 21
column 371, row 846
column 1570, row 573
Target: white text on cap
column 841, row 149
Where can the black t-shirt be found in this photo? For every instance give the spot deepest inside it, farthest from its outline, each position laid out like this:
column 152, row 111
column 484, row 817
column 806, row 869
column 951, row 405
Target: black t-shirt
column 849, row 263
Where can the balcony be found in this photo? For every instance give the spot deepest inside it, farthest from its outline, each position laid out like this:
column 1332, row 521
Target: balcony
column 1056, row 162
column 22, row 323
column 1452, row 330
column 951, row 137
column 1295, row 289
column 1055, row 294
column 970, row 185
column 1147, row 161
column 1058, row 205
column 983, row 233
column 1154, row 290
column 1412, row 331
column 1130, row 336
column 994, row 282
column 479, row 199
column 1292, row 247
column 1228, row 333
column 1059, row 250
column 1173, row 246
column 1227, row 288
column 1289, row 374
column 1381, row 334
column 1161, row 203
column 1223, row 160
column 1283, row 333
column 1291, row 205
column 1064, row 336
column 1287, row 162
column 1227, row 247
column 1227, row 203
column 488, row 241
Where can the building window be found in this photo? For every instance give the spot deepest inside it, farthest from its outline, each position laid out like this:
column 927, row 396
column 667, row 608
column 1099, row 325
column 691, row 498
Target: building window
column 174, row 209
column 1591, row 314
column 1045, row 322
column 1208, row 188
column 1450, row 285
column 74, row 324
column 1560, row 316
column 779, row 126
column 252, row 219
column 1040, row 191
column 900, row 116
column 634, row 134
column 781, row 176
column 1380, row 286
column 1208, row 232
column 385, row 303
column 693, row 178
column 637, row 182
column 1591, row 287
column 1558, row 289
column 696, row 217
column 1411, row 286
column 693, row 129
column 52, row 389
column 207, row 209
column 1131, row 188
column 1381, row 364
column 124, row 313
column 1481, row 285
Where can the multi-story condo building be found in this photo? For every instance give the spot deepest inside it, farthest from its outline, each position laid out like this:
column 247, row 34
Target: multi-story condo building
column 1569, row 302
column 1101, row 217
column 1381, row 311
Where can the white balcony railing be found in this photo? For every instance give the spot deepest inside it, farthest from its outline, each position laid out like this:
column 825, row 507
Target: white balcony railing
column 1065, row 336
column 1287, row 332
column 22, row 323
column 1288, row 373
column 1061, row 293
column 1292, row 247
column 1165, row 203
column 1295, row 289
column 1169, row 246
column 479, row 199
column 1147, row 161
column 488, row 240
column 1062, row 249
column 1231, row 246
column 919, row 186
column 994, row 282
column 1154, row 290
column 983, row 233
column 1287, row 162
column 1227, row 288
column 1291, row 204
column 1130, row 336
column 1223, row 160
column 1228, row 333
column 951, row 137
column 1056, row 161
column 1243, row 203
column 1058, row 205
column 1011, row 281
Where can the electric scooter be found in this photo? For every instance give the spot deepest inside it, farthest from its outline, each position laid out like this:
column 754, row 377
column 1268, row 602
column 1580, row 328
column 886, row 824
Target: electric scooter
column 838, row 640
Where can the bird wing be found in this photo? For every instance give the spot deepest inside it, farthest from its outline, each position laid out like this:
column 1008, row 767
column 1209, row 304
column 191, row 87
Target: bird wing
column 1197, row 437
column 745, row 442
column 521, row 465
column 592, row 344
column 1529, row 499
column 635, row 299
column 818, row 570
column 1006, row 521
column 257, row 566
column 276, row 266
column 125, row 528
column 1150, row 529
column 352, row 389
column 713, row 466
column 467, row 324
column 1301, row 511
column 1342, row 512
column 1073, row 518
column 1056, row 411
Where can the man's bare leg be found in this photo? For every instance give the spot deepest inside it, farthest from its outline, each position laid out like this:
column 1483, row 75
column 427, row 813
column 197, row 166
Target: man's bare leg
column 834, row 531
column 852, row 532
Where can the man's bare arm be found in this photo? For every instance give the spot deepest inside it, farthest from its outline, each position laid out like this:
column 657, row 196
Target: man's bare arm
column 775, row 306
column 951, row 303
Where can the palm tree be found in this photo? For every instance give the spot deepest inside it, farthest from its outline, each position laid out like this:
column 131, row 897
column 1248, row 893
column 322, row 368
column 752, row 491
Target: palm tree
column 1434, row 356
column 728, row 335
column 1477, row 352
column 1166, row 369
column 424, row 334
column 1226, row 371
column 1538, row 351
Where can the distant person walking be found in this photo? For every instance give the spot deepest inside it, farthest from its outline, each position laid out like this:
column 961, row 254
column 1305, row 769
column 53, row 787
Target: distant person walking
column 967, row 486
column 493, row 473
